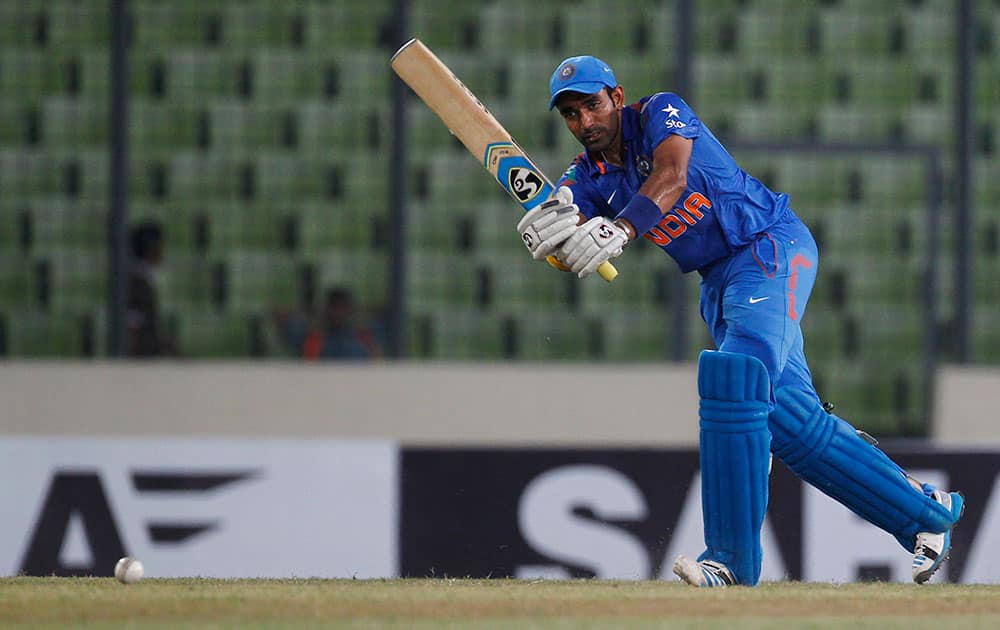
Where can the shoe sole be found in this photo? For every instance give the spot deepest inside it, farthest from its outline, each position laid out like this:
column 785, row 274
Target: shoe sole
column 923, row 576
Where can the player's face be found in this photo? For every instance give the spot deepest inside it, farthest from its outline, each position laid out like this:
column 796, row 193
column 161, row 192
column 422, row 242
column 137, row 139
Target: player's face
column 593, row 118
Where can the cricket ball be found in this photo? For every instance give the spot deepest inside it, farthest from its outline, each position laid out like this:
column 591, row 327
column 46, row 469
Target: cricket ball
column 129, row 570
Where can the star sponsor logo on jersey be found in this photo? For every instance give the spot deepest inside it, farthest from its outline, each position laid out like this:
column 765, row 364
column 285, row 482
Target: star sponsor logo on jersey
column 675, row 124
column 671, row 111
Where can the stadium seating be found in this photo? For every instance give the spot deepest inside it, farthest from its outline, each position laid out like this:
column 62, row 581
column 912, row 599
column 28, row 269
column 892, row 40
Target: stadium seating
column 261, row 137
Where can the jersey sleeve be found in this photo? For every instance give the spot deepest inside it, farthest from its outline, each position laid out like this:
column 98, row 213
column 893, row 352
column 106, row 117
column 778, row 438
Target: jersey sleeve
column 583, row 193
column 666, row 114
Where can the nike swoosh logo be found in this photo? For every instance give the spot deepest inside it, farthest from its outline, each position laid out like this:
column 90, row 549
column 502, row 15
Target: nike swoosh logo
column 761, row 299
column 611, row 197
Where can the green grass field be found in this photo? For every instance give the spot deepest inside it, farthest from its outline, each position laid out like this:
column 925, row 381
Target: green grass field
column 456, row 603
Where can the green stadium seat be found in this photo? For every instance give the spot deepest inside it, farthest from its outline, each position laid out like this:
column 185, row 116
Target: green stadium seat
column 858, row 122
column 59, row 223
column 28, row 75
column 811, row 181
column 260, row 280
column 645, row 75
column 206, row 175
column 528, row 76
column 871, row 280
column 194, row 75
column 330, row 226
column 857, row 33
column 75, row 122
column 895, row 237
column 885, row 82
column 929, row 32
column 346, row 25
column 95, row 73
column 207, row 333
column 455, row 179
column 436, row 227
column 440, row 281
column 25, row 173
column 252, row 24
column 258, row 225
column 364, row 76
column 930, row 125
column 287, row 76
column 520, row 284
column 284, row 177
column 495, row 226
column 519, row 25
column 986, row 184
column 483, row 74
column 720, row 87
column 636, row 333
column 985, row 282
column 34, row 333
column 767, row 122
column 186, row 282
column 554, row 334
column 19, row 22
column 589, row 31
column 162, row 25
column 892, row 185
column 347, row 124
column 358, row 179
column 463, row 334
column 985, row 337
column 78, row 25
column 823, row 331
column 715, row 29
column 14, row 123
column 891, row 332
column 240, row 127
column 446, row 24
column 366, row 273
column 77, row 278
column 798, row 83
column 157, row 125
column 16, row 279
column 987, row 84
column 639, row 274
column 776, row 30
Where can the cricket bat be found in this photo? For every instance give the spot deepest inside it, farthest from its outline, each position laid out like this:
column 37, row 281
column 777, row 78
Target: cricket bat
column 481, row 133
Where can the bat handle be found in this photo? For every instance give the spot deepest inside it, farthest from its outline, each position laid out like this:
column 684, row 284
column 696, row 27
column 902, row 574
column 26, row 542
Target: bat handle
column 607, row 271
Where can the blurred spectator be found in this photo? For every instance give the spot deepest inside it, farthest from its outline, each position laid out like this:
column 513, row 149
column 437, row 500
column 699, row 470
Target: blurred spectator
column 145, row 336
column 337, row 335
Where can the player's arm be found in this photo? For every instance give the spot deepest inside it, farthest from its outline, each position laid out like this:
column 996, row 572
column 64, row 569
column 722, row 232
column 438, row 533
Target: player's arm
column 662, row 188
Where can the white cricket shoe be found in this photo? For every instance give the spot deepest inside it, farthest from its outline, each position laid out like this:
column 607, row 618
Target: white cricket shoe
column 707, row 573
column 931, row 549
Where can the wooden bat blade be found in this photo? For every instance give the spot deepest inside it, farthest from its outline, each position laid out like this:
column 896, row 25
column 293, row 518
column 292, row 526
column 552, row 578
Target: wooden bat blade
column 481, row 133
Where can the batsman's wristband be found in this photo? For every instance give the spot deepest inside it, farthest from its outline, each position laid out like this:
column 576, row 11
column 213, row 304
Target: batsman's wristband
column 642, row 212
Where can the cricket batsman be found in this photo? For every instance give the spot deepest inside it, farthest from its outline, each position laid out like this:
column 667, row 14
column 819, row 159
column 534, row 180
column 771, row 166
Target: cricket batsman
column 653, row 169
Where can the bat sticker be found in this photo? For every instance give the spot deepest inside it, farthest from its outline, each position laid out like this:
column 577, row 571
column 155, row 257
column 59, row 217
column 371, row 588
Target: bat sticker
column 515, row 172
column 524, row 183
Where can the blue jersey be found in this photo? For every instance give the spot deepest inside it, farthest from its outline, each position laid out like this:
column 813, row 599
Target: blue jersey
column 721, row 210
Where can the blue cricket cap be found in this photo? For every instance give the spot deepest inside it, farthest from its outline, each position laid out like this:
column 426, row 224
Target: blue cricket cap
column 584, row 74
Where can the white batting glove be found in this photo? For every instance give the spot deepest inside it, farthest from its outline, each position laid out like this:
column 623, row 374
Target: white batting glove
column 592, row 244
column 549, row 225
